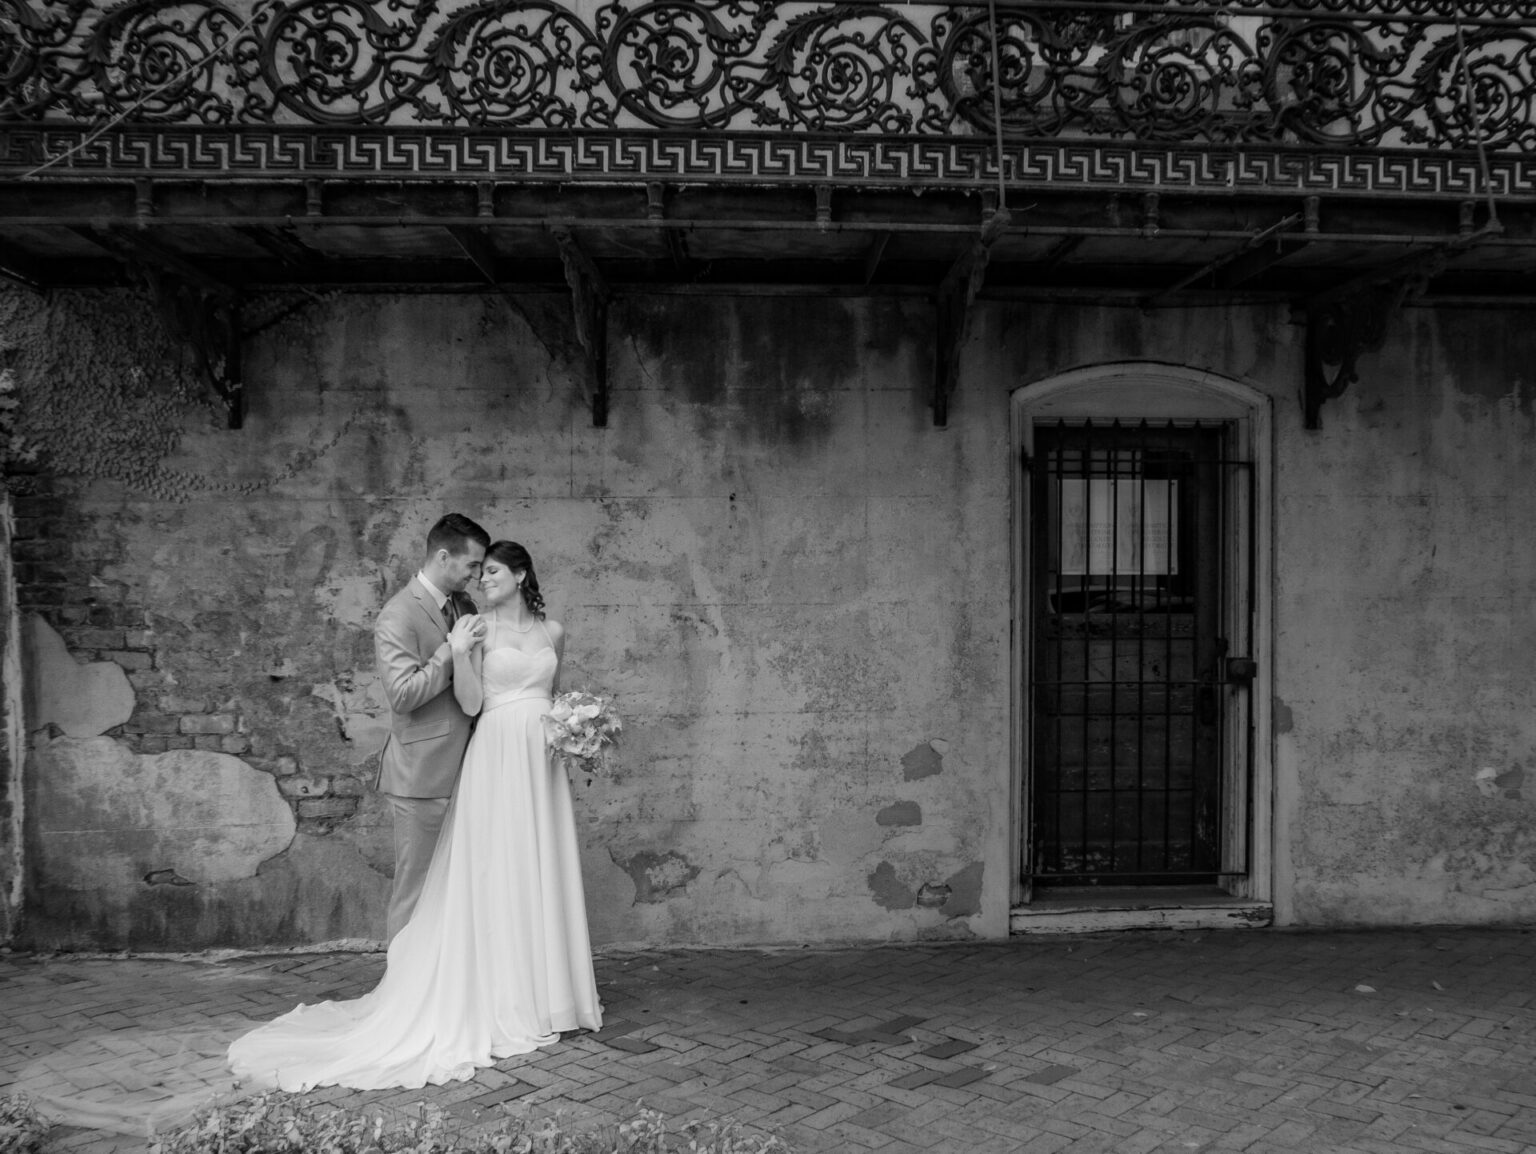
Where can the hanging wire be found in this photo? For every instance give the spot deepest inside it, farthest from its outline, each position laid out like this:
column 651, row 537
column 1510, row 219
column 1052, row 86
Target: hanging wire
column 1475, row 122
column 997, row 108
column 179, row 78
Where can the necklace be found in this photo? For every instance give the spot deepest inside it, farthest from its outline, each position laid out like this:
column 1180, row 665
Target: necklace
column 526, row 628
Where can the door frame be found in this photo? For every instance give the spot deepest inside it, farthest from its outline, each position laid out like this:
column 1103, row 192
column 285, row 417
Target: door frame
column 1155, row 391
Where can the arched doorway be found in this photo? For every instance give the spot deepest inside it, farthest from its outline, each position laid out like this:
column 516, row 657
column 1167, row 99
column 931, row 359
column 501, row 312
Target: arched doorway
column 1142, row 767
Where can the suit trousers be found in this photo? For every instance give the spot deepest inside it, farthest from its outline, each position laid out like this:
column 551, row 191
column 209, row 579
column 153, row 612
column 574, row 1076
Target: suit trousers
column 418, row 821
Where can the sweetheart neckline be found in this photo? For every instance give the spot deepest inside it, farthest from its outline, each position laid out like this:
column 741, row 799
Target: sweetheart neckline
column 515, row 649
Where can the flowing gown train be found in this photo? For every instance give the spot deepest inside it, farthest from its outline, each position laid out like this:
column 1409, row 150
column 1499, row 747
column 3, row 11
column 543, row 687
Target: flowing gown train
column 496, row 959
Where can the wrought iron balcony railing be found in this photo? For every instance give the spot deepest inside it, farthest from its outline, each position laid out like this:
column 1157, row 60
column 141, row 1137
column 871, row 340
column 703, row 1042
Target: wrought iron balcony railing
column 1418, row 74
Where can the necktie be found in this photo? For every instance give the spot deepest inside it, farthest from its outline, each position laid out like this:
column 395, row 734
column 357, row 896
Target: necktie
column 450, row 615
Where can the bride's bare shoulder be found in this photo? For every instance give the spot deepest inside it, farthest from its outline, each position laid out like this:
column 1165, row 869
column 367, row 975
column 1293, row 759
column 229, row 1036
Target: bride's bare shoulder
column 555, row 630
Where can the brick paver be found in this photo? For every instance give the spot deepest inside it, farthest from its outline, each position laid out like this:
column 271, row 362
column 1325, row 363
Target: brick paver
column 1252, row 1040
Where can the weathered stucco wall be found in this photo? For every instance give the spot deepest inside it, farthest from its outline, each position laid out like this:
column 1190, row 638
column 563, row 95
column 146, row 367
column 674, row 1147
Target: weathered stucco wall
column 1409, row 545
column 800, row 591
column 1405, row 563
column 796, row 586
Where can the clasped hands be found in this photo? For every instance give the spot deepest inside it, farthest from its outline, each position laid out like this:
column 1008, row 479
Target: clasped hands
column 467, row 632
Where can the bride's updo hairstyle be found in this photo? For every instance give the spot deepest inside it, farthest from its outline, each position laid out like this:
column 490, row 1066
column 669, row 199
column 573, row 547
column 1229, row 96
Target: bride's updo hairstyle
column 516, row 559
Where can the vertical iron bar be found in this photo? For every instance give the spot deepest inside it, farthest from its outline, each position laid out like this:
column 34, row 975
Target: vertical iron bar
column 1085, row 592
column 1060, row 464
column 1170, row 648
column 1112, row 600
column 1223, row 691
column 1249, row 609
column 1172, row 441
column 1138, row 600
column 1198, row 564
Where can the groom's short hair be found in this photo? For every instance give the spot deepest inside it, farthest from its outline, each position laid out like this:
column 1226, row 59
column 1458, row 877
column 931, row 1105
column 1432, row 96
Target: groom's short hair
column 454, row 532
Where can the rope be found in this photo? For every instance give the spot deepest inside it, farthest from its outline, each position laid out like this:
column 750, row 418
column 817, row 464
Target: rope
column 1475, row 122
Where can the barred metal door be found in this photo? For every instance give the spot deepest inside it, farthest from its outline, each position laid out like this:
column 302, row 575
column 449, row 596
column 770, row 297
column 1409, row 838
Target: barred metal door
column 1138, row 686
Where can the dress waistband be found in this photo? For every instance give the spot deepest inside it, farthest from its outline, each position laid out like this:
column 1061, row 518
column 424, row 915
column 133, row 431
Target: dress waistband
column 500, row 699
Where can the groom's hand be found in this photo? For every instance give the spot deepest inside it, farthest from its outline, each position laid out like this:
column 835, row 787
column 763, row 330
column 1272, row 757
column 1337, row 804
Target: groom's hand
column 467, row 632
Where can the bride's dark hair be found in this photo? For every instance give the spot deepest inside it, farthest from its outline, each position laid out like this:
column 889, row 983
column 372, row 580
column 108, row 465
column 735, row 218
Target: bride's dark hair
column 516, row 559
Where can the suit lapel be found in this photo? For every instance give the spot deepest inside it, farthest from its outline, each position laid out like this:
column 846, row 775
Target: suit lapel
column 427, row 608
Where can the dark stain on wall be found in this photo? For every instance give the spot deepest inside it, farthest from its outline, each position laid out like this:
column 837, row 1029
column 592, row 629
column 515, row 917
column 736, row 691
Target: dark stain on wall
column 769, row 368
column 695, row 343
column 900, row 813
column 1487, row 369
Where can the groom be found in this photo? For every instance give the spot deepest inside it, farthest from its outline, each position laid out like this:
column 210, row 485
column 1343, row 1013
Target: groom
column 428, row 730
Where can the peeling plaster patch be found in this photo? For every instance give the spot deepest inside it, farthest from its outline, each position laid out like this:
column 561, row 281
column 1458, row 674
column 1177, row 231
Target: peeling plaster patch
column 112, row 820
column 82, row 700
column 888, row 889
column 965, row 891
column 362, row 714
column 353, row 598
column 925, row 760
column 658, row 876
column 1285, row 720
column 1487, row 781
column 900, row 813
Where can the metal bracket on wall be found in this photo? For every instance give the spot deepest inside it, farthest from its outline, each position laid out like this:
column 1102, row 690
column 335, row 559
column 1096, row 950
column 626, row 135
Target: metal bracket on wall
column 1351, row 319
column 589, row 298
column 1338, row 332
column 957, row 293
column 210, row 324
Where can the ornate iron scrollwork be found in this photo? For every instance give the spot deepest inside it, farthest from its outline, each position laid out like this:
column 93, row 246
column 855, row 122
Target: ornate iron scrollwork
column 1321, row 72
column 503, row 65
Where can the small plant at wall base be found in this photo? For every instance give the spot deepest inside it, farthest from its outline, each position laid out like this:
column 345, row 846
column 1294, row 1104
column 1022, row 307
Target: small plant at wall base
column 284, row 1124
column 22, row 1128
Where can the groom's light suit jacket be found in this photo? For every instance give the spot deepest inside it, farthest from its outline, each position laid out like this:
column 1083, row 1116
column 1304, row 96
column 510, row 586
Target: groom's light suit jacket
column 427, row 730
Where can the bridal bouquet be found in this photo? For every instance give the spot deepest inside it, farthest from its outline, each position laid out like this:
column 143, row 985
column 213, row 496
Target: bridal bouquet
column 580, row 725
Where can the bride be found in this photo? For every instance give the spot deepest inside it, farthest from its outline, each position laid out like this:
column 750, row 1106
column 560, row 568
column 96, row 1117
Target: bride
column 496, row 959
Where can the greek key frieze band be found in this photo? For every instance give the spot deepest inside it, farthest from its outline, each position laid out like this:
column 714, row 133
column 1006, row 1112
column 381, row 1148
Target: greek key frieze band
column 200, row 153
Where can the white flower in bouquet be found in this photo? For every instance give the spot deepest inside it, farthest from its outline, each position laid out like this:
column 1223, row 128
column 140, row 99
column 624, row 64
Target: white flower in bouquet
column 581, row 726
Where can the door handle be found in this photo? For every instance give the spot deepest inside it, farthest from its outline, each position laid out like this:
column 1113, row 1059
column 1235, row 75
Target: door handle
column 1241, row 670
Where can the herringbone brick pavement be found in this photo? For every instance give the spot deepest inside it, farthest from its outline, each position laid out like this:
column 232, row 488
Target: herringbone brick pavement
column 1256, row 1040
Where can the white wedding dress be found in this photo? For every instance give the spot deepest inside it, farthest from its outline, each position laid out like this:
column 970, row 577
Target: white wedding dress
column 496, row 959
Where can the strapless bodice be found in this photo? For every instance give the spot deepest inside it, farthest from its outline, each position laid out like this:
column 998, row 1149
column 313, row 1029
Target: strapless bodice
column 509, row 674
